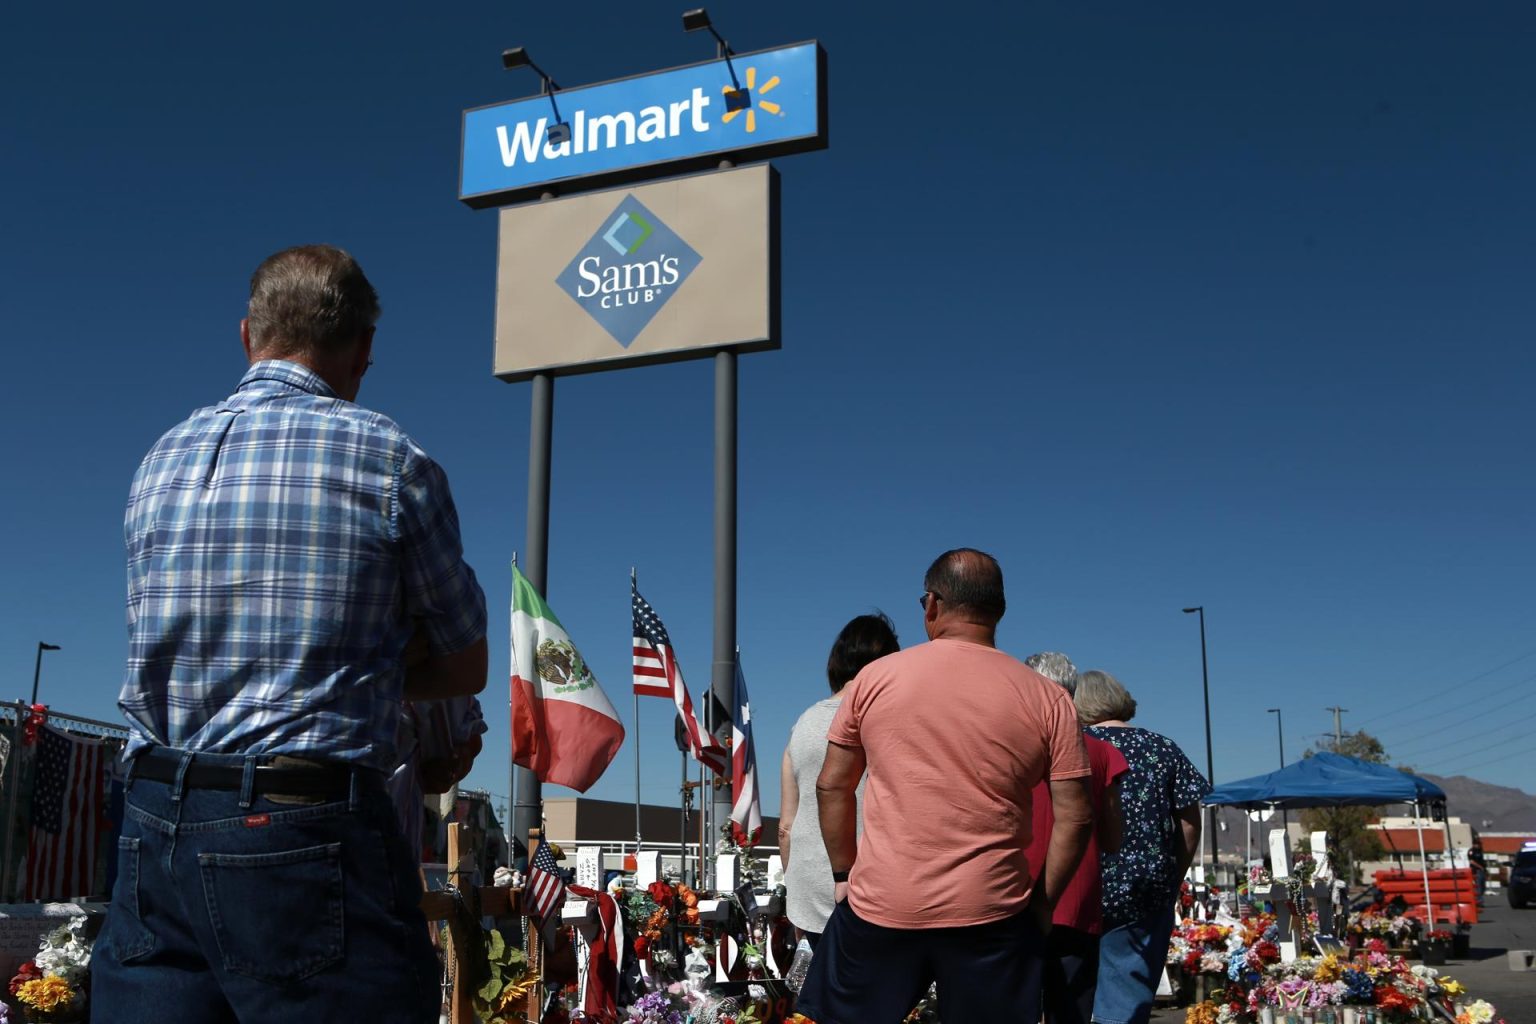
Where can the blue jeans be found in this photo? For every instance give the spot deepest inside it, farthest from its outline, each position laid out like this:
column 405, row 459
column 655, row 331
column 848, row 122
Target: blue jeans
column 231, row 907
column 1131, row 961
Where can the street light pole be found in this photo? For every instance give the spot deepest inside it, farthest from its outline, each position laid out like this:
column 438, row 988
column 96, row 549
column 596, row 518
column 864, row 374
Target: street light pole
column 1210, row 769
column 37, row 669
column 1285, row 816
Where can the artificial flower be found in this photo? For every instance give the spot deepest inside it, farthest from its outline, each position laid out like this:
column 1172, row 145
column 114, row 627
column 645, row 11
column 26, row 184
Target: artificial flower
column 48, row 993
column 25, row 973
column 1201, row 1013
column 1480, row 1012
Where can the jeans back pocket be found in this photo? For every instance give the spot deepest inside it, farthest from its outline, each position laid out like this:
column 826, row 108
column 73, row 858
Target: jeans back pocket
column 278, row 916
column 125, row 930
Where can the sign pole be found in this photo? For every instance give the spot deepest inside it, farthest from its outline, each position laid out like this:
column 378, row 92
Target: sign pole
column 723, row 679
column 526, row 813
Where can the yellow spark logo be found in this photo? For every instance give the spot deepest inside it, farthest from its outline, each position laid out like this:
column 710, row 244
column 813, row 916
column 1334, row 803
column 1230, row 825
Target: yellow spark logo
column 767, row 106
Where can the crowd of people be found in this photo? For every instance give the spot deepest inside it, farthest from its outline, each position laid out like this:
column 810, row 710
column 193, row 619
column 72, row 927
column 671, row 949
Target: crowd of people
column 296, row 581
column 997, row 829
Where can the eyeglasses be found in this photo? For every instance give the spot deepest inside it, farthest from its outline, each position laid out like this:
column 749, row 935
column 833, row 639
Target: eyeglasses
column 922, row 600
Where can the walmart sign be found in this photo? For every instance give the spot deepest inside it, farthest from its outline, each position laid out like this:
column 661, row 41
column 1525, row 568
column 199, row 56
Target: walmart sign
column 662, row 123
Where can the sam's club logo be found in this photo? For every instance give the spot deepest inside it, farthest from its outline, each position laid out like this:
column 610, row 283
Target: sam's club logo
column 628, row 270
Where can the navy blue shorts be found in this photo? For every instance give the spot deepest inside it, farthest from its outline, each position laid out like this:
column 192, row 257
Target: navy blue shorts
column 865, row 974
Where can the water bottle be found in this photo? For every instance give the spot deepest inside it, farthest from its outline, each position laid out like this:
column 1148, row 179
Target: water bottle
column 794, row 978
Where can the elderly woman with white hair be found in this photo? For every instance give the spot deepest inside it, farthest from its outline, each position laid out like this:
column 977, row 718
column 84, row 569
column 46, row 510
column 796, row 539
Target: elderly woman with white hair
column 1160, row 804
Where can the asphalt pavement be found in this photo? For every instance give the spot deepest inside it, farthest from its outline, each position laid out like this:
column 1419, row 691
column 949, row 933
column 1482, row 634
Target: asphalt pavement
column 1485, row 970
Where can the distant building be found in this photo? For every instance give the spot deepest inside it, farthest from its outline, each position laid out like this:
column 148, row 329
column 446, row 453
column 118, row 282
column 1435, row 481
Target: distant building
column 573, row 822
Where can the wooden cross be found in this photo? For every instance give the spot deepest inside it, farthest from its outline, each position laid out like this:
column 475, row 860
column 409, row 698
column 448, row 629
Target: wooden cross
column 483, row 900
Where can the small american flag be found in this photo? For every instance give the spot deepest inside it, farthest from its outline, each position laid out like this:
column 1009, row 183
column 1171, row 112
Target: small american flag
column 657, row 674
column 545, row 891
column 68, row 807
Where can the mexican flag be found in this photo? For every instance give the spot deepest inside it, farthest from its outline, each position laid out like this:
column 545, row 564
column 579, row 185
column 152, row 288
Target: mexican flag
column 563, row 727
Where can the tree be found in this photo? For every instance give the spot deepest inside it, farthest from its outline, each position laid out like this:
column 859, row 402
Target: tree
column 1347, row 828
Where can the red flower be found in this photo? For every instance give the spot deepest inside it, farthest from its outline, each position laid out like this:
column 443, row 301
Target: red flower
column 1267, row 952
column 1376, row 946
column 642, row 946
column 28, row 971
column 661, row 892
column 1192, row 961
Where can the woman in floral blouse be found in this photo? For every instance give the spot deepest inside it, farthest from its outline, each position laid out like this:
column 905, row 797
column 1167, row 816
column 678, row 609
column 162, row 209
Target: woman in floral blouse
column 1160, row 801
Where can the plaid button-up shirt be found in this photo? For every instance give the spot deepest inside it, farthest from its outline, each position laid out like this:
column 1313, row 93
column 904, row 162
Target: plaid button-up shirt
column 282, row 548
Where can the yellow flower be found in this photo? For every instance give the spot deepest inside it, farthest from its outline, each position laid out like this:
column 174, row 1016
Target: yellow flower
column 1452, row 987
column 1201, row 1013
column 1328, row 968
column 49, row 992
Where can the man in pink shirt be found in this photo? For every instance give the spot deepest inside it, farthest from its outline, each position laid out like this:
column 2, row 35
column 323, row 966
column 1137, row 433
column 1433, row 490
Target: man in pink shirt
column 954, row 735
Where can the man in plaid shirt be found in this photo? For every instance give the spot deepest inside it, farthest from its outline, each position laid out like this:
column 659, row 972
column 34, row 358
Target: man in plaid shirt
column 295, row 574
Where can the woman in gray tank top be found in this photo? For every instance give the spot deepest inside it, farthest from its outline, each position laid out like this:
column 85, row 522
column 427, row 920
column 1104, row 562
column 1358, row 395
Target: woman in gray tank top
column 807, row 872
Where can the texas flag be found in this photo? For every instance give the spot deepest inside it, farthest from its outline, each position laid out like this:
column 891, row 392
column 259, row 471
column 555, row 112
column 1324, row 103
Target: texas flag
column 563, row 727
column 746, row 816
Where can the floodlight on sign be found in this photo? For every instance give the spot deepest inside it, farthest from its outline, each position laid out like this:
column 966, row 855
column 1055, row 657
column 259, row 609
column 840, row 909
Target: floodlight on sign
column 736, row 98
column 559, row 131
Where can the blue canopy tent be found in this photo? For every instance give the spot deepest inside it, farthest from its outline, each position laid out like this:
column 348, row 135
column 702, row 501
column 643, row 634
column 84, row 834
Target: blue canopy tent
column 1333, row 780
column 1326, row 780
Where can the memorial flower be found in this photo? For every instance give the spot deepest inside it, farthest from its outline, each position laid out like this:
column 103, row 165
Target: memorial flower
column 48, row 993
column 661, row 893
column 25, row 973
column 65, row 952
column 1391, row 1000
column 1201, row 1013
column 1480, row 1012
column 1358, row 987
column 655, row 1008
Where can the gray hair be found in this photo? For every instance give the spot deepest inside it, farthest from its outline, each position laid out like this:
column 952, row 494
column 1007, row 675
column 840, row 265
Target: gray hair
column 1056, row 667
column 310, row 300
column 1100, row 698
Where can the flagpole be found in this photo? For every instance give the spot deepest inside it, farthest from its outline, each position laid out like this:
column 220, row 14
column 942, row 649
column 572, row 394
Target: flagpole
column 636, row 695
column 706, row 863
column 682, row 819
column 511, row 710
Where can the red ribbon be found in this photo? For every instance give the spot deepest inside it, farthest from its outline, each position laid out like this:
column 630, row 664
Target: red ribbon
column 37, row 716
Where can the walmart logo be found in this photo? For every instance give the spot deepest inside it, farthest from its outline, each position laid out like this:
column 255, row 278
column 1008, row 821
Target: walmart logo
column 755, row 104
column 628, row 270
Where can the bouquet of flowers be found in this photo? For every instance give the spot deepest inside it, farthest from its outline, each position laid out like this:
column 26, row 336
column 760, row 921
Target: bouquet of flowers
column 52, row 985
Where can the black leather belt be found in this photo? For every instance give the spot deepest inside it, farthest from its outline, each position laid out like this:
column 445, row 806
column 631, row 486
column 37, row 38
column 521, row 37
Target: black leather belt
column 161, row 765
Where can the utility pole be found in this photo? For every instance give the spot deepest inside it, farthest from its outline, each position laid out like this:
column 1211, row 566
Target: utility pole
column 1338, row 731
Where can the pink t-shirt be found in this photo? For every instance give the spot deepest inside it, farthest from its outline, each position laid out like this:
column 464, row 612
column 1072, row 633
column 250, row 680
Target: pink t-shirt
column 1081, row 904
column 955, row 735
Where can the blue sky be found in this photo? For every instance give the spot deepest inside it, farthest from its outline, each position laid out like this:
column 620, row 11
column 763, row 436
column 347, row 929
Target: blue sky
column 1224, row 305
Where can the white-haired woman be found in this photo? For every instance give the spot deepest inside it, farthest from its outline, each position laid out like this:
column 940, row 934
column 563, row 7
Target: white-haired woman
column 1160, row 806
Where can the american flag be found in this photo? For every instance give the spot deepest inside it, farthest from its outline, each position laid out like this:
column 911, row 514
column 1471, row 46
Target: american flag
column 657, row 674
column 68, row 812
column 545, row 890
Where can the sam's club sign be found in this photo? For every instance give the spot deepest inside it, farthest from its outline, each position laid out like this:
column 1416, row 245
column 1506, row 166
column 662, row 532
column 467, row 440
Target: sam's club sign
column 628, row 270
column 666, row 122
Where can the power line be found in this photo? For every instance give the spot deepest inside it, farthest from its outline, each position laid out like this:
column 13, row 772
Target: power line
column 1497, row 760
column 1441, row 693
column 1443, row 727
column 1461, row 757
column 1486, row 746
